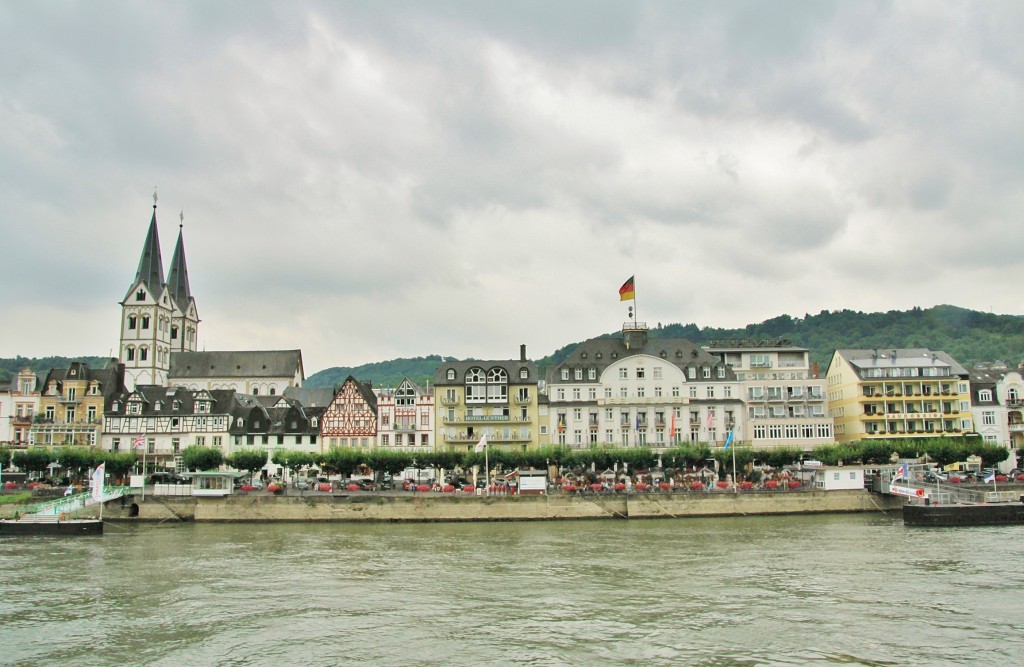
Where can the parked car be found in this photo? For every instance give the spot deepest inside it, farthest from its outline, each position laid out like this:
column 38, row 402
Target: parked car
column 167, row 477
column 301, row 483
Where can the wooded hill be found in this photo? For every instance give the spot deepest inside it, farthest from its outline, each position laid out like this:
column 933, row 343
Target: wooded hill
column 970, row 337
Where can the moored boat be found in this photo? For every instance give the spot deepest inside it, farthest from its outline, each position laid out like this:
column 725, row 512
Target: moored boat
column 982, row 514
column 50, row 525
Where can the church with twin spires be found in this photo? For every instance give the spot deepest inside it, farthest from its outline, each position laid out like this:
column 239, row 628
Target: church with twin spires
column 158, row 317
column 160, row 327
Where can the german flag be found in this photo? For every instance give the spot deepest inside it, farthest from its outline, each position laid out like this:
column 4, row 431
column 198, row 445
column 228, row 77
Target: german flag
column 626, row 292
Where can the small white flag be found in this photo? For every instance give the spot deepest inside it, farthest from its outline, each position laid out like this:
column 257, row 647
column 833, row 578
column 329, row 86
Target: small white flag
column 480, row 445
column 68, row 491
column 97, row 482
column 991, row 477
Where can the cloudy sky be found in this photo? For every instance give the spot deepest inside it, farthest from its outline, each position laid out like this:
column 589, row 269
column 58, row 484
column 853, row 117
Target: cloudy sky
column 366, row 181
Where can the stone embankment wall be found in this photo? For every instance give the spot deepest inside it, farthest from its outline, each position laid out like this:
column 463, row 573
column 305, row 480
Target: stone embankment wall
column 424, row 507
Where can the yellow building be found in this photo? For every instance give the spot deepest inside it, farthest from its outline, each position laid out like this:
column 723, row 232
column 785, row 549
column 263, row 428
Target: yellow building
column 911, row 393
column 498, row 399
column 72, row 403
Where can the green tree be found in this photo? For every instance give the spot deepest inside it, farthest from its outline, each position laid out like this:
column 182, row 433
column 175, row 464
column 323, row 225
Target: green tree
column 292, row 460
column 78, row 459
column 249, row 460
column 202, row 458
column 36, row 459
column 118, row 464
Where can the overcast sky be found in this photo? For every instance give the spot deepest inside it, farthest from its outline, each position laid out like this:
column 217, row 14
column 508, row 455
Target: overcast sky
column 372, row 180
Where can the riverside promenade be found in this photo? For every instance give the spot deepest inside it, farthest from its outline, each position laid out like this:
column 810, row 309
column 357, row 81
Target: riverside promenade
column 431, row 507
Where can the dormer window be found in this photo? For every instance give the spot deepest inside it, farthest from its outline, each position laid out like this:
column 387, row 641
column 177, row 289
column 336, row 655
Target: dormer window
column 159, row 404
column 135, row 407
column 565, row 374
column 176, row 405
column 312, row 422
column 451, row 374
column 115, row 406
column 523, row 374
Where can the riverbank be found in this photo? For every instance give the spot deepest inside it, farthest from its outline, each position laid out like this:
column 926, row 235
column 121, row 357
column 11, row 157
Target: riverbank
column 369, row 507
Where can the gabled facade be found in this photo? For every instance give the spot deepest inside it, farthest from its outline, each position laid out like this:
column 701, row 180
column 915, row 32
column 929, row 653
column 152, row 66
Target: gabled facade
column 351, row 418
column 637, row 392
column 258, row 373
column 902, row 393
column 157, row 317
column 786, row 403
column 25, row 393
column 405, row 417
column 158, row 423
column 72, row 405
column 498, row 399
column 997, row 402
column 276, row 423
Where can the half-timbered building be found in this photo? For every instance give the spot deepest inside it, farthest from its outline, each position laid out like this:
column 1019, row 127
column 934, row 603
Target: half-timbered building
column 158, row 423
column 351, row 418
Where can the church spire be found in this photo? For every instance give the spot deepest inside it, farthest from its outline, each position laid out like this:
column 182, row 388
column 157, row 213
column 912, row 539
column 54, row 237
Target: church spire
column 151, row 266
column 177, row 279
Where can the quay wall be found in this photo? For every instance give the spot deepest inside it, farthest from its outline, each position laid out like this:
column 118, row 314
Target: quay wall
column 429, row 507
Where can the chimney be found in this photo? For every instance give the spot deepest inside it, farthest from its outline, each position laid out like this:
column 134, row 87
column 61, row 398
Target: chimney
column 522, row 352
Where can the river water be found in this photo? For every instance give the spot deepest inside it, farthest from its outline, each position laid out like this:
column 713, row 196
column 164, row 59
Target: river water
column 839, row 589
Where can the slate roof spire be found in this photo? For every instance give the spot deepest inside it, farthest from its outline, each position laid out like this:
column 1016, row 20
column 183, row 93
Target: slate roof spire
column 177, row 279
column 151, row 266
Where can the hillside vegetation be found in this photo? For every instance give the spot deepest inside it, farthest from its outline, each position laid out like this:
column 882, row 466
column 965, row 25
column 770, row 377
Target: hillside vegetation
column 970, row 337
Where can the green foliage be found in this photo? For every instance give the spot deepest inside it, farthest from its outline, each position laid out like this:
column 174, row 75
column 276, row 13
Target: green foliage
column 15, row 498
column 10, row 367
column 249, row 460
column 118, row 464
column 293, row 460
column 202, row 458
column 36, row 459
column 382, row 373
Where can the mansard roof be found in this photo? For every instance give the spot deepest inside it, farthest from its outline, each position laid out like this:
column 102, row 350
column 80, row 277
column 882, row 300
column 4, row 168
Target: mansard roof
column 600, row 353
column 110, row 378
column 918, row 357
column 268, row 363
column 511, row 366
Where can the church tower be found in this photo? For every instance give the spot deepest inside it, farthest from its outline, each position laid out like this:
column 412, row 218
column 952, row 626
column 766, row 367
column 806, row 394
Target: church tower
column 146, row 317
column 184, row 318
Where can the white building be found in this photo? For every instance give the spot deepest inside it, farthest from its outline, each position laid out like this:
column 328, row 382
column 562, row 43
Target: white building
column 259, row 373
column 405, row 417
column 785, row 399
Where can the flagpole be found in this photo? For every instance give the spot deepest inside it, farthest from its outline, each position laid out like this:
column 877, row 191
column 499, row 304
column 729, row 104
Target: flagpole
column 487, row 469
column 735, row 484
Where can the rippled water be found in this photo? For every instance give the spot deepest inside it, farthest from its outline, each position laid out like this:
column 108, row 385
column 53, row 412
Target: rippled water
column 746, row 591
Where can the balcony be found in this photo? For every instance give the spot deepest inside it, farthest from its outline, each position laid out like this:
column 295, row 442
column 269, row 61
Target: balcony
column 449, row 400
column 1016, row 427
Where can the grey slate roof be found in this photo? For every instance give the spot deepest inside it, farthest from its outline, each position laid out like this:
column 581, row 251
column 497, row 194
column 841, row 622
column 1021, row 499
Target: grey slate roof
column 512, row 367
column 110, row 377
column 311, row 397
column 225, row 401
column 919, row 357
column 177, row 279
column 599, row 353
column 151, row 266
column 270, row 363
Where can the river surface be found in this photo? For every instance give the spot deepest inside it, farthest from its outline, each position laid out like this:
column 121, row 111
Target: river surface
column 818, row 590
